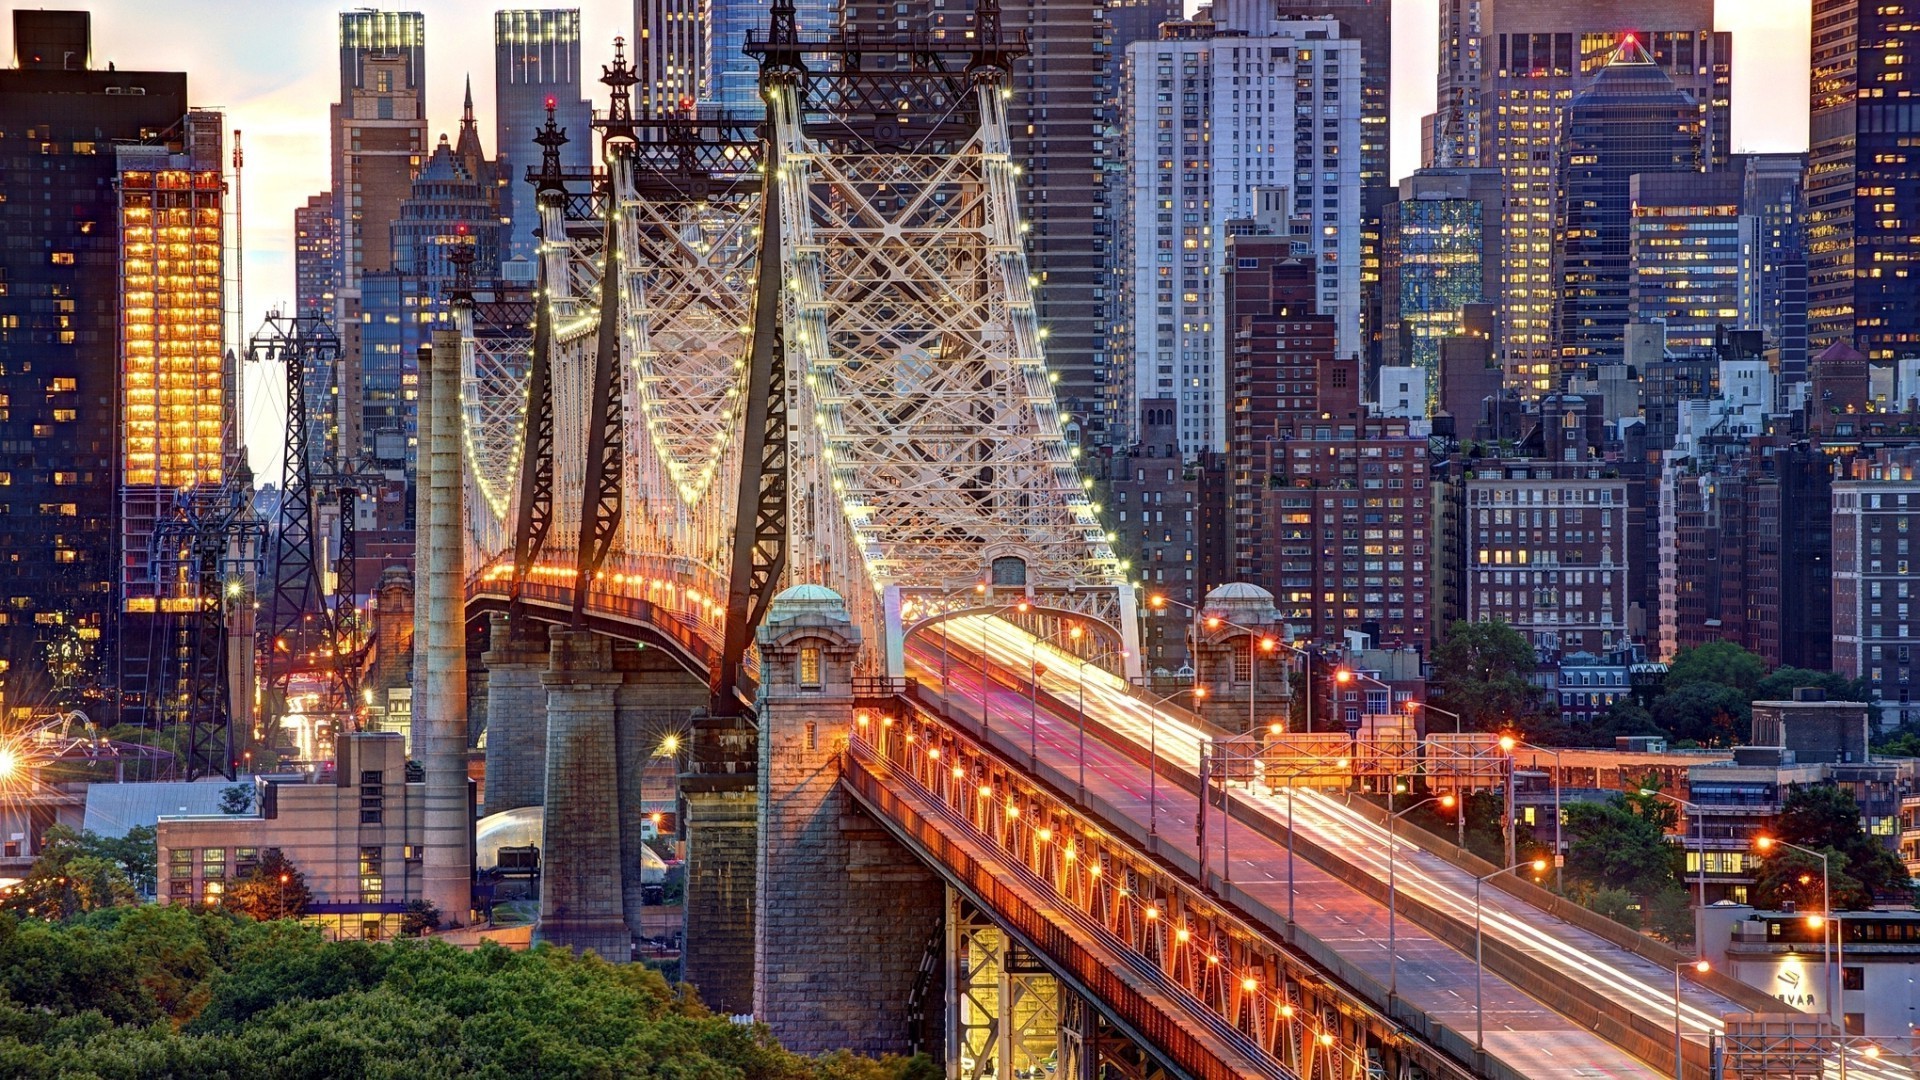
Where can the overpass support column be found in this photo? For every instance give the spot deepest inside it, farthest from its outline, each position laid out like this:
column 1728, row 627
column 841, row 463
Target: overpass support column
column 580, row 878
column 440, row 711
column 516, row 719
column 844, row 912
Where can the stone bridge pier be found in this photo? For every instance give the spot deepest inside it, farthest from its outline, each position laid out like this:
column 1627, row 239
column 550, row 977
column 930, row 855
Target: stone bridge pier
column 848, row 928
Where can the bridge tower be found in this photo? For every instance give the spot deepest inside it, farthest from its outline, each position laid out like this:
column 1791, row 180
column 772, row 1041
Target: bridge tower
column 843, row 911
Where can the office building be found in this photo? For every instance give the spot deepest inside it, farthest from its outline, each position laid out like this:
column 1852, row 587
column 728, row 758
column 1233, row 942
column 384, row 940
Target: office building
column 733, row 77
column 1629, row 119
column 1773, row 271
column 1370, row 22
column 669, row 55
column 316, row 256
column 60, row 339
column 1875, row 550
column 536, row 64
column 1236, row 149
column 379, row 131
column 1442, row 255
column 1863, row 191
column 1686, row 249
column 1530, row 61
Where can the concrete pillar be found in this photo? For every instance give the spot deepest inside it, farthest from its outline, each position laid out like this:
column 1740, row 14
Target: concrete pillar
column 440, row 725
column 580, row 904
column 844, row 913
column 656, row 699
column 722, row 863
column 516, row 719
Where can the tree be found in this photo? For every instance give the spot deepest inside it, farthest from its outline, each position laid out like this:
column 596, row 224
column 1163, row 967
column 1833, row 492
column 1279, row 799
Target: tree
column 1789, row 876
column 1670, row 915
column 273, row 889
column 1616, row 904
column 1622, row 844
column 1782, row 682
column 237, row 799
column 420, row 917
column 1706, row 713
column 1481, row 671
column 71, row 876
column 1826, row 817
column 1720, row 662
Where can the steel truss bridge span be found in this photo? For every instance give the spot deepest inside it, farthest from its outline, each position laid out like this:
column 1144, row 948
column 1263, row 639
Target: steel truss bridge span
column 804, row 352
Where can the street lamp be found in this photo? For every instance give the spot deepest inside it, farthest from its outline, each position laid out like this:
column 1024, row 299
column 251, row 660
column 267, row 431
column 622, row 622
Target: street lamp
column 1460, row 821
column 1290, row 777
column 1479, row 964
column 1035, row 669
column 1817, row 922
column 669, row 747
column 1459, row 725
column 1679, row 1060
column 1393, row 903
column 1256, row 639
column 1559, row 853
column 1700, row 826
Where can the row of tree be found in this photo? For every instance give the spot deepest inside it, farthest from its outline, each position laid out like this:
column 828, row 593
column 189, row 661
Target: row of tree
column 170, row 991
column 1484, row 671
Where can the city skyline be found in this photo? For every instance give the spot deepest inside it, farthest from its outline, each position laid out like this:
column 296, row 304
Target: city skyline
column 275, row 71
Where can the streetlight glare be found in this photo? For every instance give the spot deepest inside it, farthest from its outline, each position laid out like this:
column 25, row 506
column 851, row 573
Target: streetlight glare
column 1764, row 843
column 1816, row 921
column 1702, row 967
column 1539, row 865
column 1507, row 743
column 9, row 761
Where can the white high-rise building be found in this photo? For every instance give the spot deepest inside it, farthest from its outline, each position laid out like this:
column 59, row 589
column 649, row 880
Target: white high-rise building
column 1253, row 128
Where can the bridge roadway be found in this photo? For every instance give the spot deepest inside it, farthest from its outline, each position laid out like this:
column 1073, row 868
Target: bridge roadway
column 1432, row 975
column 1530, row 1038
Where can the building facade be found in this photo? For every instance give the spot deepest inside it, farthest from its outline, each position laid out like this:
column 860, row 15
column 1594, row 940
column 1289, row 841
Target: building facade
column 669, row 55
column 379, row 131
column 536, row 65
column 1863, row 190
column 1235, row 147
column 1773, row 275
column 1688, row 242
column 61, row 306
column 1530, row 61
column 1442, row 254
column 1875, row 587
column 1629, row 119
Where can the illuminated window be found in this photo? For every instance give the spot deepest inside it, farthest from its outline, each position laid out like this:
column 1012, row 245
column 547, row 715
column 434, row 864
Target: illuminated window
column 810, row 676
column 62, row 258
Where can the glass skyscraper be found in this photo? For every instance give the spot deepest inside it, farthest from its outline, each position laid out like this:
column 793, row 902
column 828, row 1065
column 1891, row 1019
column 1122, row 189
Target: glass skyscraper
column 733, row 88
column 536, row 58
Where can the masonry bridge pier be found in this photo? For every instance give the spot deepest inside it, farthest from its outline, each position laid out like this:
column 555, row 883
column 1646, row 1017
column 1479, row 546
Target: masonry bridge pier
column 771, row 461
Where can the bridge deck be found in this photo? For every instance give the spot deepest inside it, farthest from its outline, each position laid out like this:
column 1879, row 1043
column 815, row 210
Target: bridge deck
column 1121, row 728
column 1531, row 1039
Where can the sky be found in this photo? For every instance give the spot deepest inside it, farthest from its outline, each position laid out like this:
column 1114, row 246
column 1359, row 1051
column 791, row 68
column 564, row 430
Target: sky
column 274, row 68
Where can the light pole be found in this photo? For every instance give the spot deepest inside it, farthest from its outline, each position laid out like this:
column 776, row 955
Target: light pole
column 1393, row 900
column 1700, row 826
column 1260, row 639
column 1559, row 854
column 1291, row 777
column 1479, row 964
column 1679, row 1047
column 669, row 747
column 986, row 678
column 1460, row 819
column 1818, row 922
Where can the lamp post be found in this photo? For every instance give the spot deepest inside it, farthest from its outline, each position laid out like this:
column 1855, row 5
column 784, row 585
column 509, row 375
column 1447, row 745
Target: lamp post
column 1460, row 820
column 1818, row 922
column 986, row 664
column 1479, row 964
column 1700, row 826
column 1679, row 1047
column 669, row 747
column 1559, row 854
column 1256, row 639
column 1290, row 777
column 1393, row 900
column 1074, row 634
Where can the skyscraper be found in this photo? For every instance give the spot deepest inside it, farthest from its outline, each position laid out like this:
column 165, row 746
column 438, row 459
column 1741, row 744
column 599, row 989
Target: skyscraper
column 316, row 256
column 536, row 61
column 1687, row 244
column 379, row 131
column 1442, row 254
column 733, row 77
column 669, row 55
column 1370, row 22
column 1265, row 133
column 60, row 336
column 1773, row 275
column 1529, row 62
column 1628, row 119
column 1863, row 179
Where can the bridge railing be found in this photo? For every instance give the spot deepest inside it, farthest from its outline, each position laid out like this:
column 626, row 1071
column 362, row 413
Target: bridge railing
column 1226, row 970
